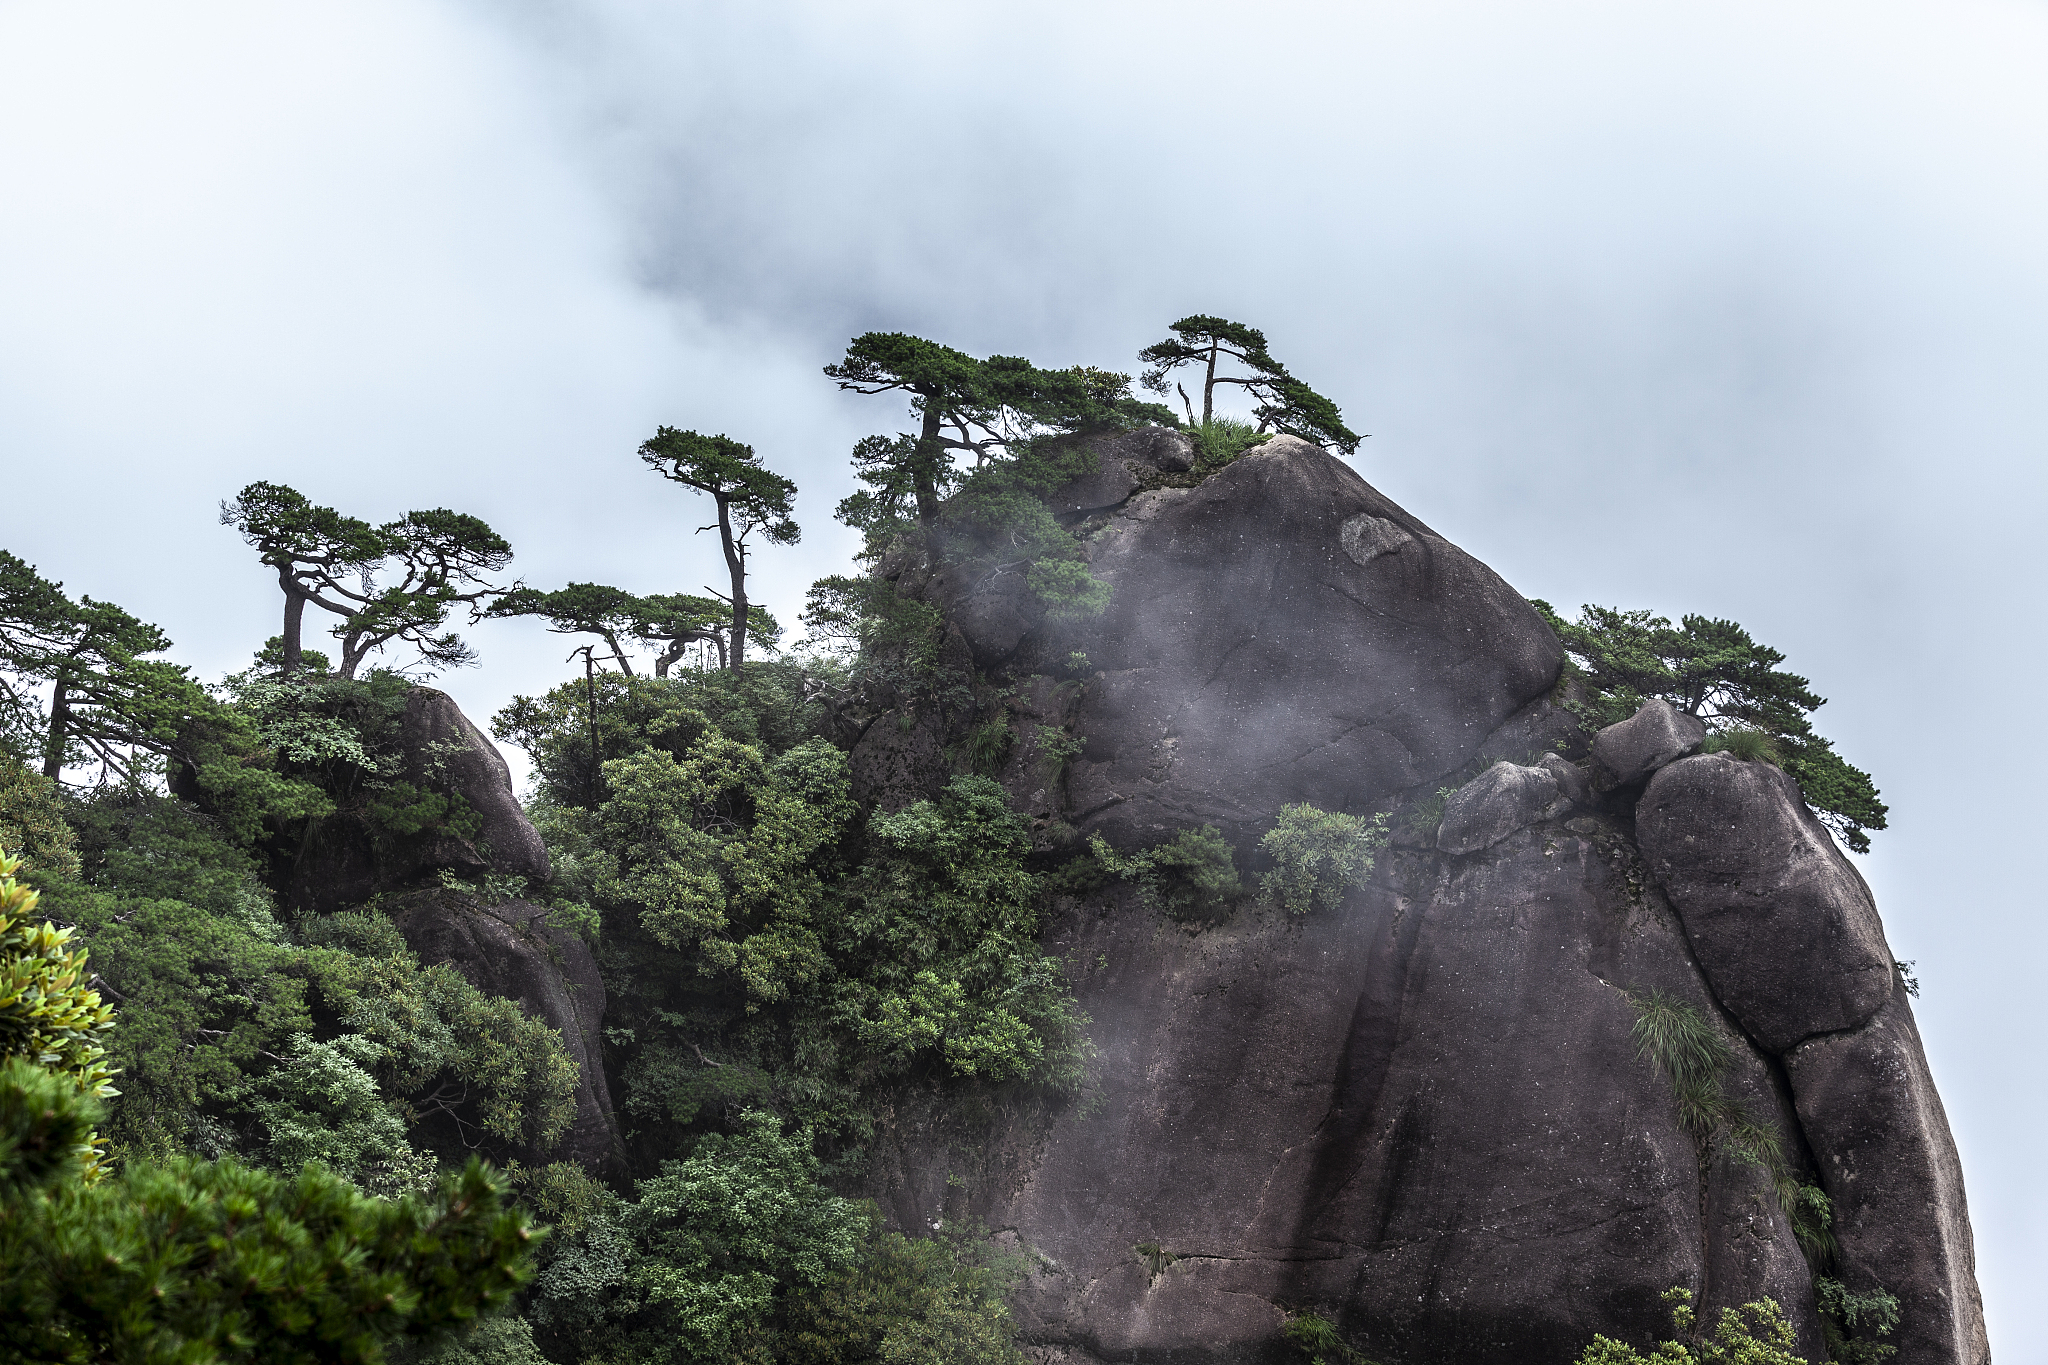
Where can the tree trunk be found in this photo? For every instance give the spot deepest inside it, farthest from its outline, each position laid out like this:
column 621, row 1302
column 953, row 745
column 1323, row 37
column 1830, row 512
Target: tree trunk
column 294, row 621
column 354, row 649
column 60, row 729
column 923, row 477
column 619, row 654
column 736, row 562
column 1209, row 385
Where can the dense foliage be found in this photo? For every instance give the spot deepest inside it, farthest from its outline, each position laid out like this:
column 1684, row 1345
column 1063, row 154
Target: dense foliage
column 1714, row 670
column 1754, row 1334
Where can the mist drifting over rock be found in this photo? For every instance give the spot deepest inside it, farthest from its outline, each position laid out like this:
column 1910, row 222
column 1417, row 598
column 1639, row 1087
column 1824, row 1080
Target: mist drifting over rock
column 1430, row 1115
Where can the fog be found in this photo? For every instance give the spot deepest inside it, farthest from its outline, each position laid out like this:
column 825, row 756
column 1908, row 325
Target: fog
column 1738, row 308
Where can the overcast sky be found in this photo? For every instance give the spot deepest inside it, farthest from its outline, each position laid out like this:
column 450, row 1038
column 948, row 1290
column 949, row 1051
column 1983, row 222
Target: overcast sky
column 1731, row 308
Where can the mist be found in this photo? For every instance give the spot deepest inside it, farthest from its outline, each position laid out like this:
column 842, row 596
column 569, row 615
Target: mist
column 1732, row 309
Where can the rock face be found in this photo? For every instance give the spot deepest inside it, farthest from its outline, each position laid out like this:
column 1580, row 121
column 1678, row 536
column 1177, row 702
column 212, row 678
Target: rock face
column 1282, row 632
column 512, row 951
column 1426, row 1115
column 1782, row 925
column 1658, row 734
column 445, row 751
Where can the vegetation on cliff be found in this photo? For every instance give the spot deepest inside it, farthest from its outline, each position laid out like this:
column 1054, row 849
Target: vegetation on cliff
column 288, row 1168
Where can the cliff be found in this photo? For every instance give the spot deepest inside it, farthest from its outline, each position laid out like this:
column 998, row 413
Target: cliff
column 1427, row 1115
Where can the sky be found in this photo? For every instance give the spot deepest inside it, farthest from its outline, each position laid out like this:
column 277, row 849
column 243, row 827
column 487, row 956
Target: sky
column 1731, row 308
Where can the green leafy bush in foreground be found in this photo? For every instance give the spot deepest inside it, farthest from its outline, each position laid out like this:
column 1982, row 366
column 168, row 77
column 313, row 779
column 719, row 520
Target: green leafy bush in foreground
column 191, row 1262
column 1754, row 1334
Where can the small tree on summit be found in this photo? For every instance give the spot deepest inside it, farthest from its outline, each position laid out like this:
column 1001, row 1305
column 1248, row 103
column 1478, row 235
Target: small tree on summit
column 987, row 408
column 312, row 549
column 750, row 498
column 1715, row 671
column 1284, row 402
column 946, row 390
column 441, row 556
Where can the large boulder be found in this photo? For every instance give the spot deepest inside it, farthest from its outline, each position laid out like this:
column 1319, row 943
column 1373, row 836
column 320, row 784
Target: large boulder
column 1501, row 800
column 447, row 753
column 1868, row 1106
column 1657, row 734
column 1784, row 927
column 1284, row 632
column 511, row 950
column 1124, row 463
column 1423, row 1116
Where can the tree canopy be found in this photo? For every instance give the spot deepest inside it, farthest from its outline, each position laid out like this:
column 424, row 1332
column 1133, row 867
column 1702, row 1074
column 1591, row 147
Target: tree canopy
column 965, row 406
column 334, row 562
column 750, row 498
column 1713, row 669
column 1282, row 402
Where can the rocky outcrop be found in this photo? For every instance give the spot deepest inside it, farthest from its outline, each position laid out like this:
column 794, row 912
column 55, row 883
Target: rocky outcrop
column 445, row 752
column 1425, row 1115
column 1782, row 925
column 511, row 950
column 1280, row 632
column 1501, row 800
column 506, row 949
column 1659, row 733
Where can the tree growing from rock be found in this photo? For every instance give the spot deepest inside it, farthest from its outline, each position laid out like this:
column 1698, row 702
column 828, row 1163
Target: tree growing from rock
column 331, row 561
column 751, row 499
column 1713, row 669
column 963, row 406
column 1283, row 403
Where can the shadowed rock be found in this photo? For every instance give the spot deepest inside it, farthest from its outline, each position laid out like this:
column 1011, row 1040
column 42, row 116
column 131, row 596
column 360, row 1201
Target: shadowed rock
column 1501, row 800
column 511, row 950
column 1783, row 926
column 1283, row 632
column 1869, row 1107
column 1655, row 735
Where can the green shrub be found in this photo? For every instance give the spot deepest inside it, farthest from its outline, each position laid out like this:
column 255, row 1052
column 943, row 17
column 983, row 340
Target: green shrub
column 32, row 821
column 215, row 1262
column 987, row 745
column 1748, row 744
column 697, row 1266
column 1192, row 876
column 1754, row 1334
column 1316, row 1337
column 49, row 1014
column 1844, row 1316
column 1319, row 856
column 1221, row 440
column 907, row 1301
